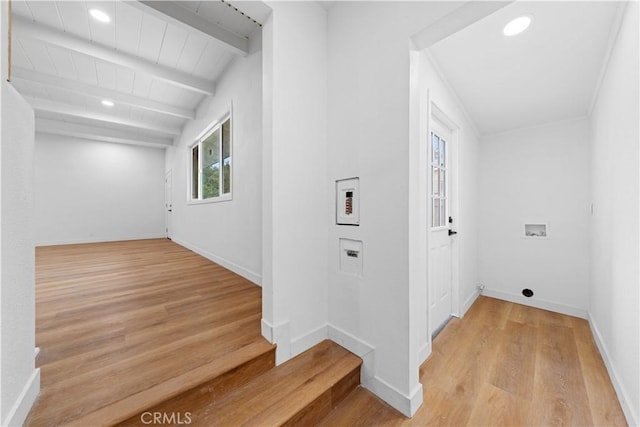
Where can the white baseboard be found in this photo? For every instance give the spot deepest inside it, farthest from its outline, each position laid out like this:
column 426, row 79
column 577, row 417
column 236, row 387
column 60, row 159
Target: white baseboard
column 407, row 405
column 37, row 352
column 278, row 334
column 469, row 302
column 537, row 303
column 360, row 348
column 19, row 411
column 99, row 240
column 623, row 396
column 305, row 342
column 230, row 265
column 424, row 352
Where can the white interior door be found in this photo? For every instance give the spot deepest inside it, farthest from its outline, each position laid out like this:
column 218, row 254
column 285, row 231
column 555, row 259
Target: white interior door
column 440, row 233
column 168, row 204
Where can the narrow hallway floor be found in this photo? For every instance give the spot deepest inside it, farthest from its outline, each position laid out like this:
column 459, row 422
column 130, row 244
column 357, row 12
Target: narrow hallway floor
column 503, row 364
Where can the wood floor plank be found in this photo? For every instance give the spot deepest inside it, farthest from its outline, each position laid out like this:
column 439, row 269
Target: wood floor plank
column 559, row 394
column 514, row 367
column 496, row 407
column 524, row 314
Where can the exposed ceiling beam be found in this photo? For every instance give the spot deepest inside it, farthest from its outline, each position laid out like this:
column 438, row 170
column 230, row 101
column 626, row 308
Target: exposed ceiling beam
column 24, row 28
column 185, row 17
column 462, row 17
column 30, row 76
column 75, row 130
column 56, row 108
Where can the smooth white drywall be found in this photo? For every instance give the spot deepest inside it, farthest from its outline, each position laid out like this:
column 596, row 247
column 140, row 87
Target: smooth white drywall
column 614, row 301
column 538, row 175
column 296, row 204
column 91, row 191
column 19, row 380
column 368, row 137
column 228, row 232
column 437, row 95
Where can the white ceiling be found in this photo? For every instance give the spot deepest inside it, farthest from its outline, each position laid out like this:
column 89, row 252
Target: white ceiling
column 549, row 72
column 153, row 63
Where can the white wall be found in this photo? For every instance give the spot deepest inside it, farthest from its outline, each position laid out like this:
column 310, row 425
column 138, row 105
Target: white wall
column 227, row 232
column 19, row 379
column 296, row 206
column 368, row 137
column 614, row 301
column 91, row 191
column 538, row 174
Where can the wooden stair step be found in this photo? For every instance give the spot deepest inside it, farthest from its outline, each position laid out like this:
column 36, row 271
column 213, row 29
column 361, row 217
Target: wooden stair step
column 230, row 370
column 301, row 391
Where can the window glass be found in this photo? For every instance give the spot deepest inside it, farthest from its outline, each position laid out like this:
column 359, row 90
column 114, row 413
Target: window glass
column 210, row 164
column 194, row 172
column 226, row 157
column 438, row 181
column 435, row 148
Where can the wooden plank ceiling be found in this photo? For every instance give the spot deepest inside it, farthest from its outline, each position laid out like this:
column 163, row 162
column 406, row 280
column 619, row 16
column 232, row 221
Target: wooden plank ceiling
column 154, row 61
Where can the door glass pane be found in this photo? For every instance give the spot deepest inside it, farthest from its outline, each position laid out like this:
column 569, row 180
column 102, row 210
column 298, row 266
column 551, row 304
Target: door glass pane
column 194, row 173
column 435, row 213
column 442, row 183
column 443, row 212
column 435, row 180
column 443, row 150
column 226, row 157
column 211, row 165
column 435, row 148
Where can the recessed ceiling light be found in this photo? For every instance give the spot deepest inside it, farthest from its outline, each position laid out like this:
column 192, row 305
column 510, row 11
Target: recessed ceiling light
column 107, row 103
column 517, row 26
column 99, row 15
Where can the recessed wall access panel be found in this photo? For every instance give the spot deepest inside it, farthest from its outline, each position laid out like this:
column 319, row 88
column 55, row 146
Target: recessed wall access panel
column 348, row 201
column 351, row 257
column 536, row 231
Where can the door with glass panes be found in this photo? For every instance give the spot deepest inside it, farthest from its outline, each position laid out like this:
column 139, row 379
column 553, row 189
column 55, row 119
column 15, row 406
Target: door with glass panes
column 440, row 240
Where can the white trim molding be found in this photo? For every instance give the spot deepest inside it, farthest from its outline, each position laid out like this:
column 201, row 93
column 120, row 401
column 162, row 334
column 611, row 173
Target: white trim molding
column 469, row 302
column 305, row 342
column 407, row 405
column 424, row 352
column 20, row 409
column 98, row 240
column 279, row 335
column 358, row 347
column 623, row 396
column 286, row 349
column 537, row 303
column 251, row 276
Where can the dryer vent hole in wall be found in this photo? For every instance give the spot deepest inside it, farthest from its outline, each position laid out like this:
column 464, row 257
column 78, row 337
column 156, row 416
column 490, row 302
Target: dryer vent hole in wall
column 527, row 293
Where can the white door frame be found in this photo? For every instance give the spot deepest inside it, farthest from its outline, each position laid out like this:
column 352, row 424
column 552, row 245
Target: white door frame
column 436, row 113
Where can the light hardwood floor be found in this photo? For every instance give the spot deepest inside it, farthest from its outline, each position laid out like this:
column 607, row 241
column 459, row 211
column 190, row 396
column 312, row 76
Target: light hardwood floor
column 115, row 320
column 503, row 364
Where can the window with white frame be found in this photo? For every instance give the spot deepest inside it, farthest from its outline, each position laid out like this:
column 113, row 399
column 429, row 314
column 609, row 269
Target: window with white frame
column 438, row 181
column 210, row 163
